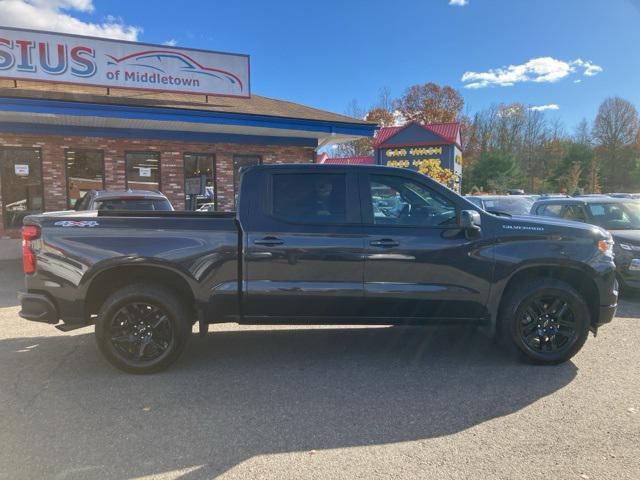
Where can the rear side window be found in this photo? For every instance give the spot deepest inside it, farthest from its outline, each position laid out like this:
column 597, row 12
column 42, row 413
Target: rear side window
column 574, row 212
column 550, row 210
column 310, row 197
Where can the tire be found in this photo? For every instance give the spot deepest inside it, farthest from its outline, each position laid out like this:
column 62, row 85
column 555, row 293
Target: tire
column 545, row 320
column 142, row 328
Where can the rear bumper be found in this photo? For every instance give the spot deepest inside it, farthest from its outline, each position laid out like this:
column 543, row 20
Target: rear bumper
column 37, row 308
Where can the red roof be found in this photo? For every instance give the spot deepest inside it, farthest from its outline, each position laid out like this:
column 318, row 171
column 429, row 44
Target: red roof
column 448, row 131
column 365, row 160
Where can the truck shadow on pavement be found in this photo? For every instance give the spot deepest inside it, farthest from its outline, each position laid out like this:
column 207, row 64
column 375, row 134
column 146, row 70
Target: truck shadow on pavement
column 11, row 280
column 238, row 394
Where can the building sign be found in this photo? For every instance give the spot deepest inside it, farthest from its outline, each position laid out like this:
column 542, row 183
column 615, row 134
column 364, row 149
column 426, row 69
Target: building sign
column 411, row 157
column 43, row 56
column 145, row 171
column 21, row 170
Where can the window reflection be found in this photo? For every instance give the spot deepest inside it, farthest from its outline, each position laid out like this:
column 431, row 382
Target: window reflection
column 143, row 170
column 21, row 175
column 85, row 171
column 195, row 166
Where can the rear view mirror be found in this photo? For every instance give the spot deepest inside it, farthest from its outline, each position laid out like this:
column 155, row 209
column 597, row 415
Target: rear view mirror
column 470, row 219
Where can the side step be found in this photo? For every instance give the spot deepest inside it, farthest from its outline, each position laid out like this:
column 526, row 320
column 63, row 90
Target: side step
column 66, row 327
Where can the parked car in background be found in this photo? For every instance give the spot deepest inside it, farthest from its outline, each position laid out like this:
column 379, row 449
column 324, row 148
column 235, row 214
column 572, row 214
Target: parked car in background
column 554, row 195
column 510, row 204
column 142, row 200
column 621, row 216
column 207, row 207
column 634, row 196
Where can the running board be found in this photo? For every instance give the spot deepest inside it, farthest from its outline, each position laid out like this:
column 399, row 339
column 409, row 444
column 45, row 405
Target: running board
column 66, row 327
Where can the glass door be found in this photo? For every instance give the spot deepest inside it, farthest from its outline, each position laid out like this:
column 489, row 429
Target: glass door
column 21, row 183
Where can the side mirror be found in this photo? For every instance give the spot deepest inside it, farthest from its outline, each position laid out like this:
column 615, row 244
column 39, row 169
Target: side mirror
column 470, row 220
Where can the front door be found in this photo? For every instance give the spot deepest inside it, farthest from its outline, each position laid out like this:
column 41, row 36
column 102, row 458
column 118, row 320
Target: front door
column 419, row 263
column 304, row 251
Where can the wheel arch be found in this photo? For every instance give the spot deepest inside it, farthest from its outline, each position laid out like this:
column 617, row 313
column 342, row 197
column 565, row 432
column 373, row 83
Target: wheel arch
column 108, row 280
column 574, row 276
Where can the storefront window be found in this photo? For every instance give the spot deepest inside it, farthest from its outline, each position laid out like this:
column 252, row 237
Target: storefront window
column 143, row 170
column 85, row 171
column 21, row 183
column 242, row 161
column 197, row 165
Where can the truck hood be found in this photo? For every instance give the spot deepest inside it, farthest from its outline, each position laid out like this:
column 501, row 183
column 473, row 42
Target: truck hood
column 631, row 237
column 533, row 224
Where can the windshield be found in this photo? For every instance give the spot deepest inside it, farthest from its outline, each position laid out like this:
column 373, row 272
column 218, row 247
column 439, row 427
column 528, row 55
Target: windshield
column 144, row 204
column 511, row 205
column 616, row 216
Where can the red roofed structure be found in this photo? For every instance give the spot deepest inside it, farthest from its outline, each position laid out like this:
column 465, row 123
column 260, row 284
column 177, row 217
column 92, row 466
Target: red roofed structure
column 450, row 132
column 410, row 146
column 362, row 160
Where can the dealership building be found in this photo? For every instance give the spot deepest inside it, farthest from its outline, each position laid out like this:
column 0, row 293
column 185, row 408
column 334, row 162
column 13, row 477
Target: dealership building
column 80, row 113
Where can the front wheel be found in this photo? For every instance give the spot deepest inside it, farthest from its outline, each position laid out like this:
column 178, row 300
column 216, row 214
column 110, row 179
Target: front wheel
column 142, row 328
column 547, row 320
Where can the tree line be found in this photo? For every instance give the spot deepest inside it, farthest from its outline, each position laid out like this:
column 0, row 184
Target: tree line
column 514, row 146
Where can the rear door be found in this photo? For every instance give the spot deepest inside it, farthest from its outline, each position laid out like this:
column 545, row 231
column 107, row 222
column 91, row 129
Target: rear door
column 419, row 263
column 304, row 248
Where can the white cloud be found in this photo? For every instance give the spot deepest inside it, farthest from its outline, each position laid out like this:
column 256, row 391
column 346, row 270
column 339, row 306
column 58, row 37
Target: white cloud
column 54, row 15
column 539, row 70
column 458, row 3
column 589, row 68
column 170, row 43
column 542, row 108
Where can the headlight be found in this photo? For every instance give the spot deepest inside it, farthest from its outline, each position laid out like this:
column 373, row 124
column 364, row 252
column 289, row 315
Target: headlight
column 629, row 248
column 606, row 246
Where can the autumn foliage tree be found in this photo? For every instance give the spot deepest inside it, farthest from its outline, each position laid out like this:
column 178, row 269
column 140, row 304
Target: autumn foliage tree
column 430, row 103
column 433, row 169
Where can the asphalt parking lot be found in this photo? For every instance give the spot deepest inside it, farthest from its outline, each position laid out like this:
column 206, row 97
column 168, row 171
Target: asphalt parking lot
column 317, row 403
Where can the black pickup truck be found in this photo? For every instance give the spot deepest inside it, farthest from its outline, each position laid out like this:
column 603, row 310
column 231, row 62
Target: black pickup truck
column 315, row 244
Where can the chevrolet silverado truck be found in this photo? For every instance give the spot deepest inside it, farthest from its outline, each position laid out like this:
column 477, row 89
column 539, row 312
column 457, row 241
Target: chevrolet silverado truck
column 318, row 244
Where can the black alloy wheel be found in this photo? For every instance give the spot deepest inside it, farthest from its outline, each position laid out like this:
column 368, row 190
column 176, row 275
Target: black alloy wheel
column 547, row 324
column 545, row 319
column 141, row 332
column 142, row 328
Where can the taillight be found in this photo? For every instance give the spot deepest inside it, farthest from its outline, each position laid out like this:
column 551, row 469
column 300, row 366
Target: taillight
column 29, row 233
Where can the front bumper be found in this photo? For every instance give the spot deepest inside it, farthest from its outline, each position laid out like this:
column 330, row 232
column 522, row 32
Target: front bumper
column 607, row 313
column 37, row 308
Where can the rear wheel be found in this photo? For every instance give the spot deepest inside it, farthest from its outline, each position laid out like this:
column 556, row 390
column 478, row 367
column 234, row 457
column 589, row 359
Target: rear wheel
column 546, row 320
column 142, row 328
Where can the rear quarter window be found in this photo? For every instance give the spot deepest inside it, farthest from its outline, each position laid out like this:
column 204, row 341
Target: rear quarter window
column 549, row 210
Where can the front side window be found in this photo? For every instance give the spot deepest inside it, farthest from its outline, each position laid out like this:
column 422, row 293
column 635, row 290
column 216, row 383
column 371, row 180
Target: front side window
column 399, row 201
column 310, row 198
column 143, row 170
column 20, row 184
column 85, row 171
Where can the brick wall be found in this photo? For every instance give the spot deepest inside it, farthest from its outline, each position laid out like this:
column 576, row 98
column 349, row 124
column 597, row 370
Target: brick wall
column 171, row 164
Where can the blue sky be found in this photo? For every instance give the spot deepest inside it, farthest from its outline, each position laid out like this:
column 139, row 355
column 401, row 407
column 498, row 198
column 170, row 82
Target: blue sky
column 326, row 53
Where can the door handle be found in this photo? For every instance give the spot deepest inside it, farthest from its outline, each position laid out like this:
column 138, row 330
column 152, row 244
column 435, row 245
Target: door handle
column 269, row 241
column 384, row 243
